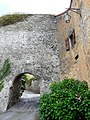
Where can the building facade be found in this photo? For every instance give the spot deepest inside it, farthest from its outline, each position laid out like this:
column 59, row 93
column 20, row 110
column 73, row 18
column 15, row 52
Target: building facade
column 74, row 42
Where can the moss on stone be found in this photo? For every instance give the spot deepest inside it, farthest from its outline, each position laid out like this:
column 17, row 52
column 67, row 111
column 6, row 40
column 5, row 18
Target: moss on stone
column 12, row 19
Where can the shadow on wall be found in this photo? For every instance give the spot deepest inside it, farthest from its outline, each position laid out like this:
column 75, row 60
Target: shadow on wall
column 23, row 81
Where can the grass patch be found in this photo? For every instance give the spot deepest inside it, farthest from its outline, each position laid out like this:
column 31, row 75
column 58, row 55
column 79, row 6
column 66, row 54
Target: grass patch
column 12, row 19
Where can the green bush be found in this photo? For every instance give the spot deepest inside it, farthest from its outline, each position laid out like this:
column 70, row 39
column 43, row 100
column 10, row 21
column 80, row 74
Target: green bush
column 68, row 100
column 12, row 19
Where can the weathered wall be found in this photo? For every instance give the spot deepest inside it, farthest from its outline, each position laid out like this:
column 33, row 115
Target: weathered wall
column 80, row 68
column 32, row 47
column 67, row 58
column 83, row 38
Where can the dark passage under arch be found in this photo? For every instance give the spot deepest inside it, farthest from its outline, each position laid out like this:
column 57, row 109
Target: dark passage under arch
column 22, row 82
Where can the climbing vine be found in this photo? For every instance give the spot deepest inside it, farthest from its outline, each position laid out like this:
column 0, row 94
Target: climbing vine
column 4, row 71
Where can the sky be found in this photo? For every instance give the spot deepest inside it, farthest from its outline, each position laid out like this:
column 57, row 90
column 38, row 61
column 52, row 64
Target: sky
column 54, row 7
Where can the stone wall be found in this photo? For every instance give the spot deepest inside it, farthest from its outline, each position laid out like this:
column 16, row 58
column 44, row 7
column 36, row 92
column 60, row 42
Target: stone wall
column 32, row 47
column 83, row 29
column 80, row 68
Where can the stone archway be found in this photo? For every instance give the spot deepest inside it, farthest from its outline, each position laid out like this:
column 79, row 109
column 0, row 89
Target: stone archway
column 31, row 46
column 17, row 88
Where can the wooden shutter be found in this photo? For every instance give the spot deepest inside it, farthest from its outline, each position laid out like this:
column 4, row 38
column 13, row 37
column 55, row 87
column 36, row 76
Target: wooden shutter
column 67, row 45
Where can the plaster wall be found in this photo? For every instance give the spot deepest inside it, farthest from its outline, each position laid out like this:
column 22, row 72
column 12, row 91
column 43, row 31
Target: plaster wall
column 78, row 69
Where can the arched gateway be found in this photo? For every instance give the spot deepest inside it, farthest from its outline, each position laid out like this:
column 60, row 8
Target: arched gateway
column 31, row 47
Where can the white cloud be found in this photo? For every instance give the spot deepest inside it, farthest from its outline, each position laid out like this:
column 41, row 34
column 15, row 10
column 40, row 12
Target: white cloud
column 35, row 6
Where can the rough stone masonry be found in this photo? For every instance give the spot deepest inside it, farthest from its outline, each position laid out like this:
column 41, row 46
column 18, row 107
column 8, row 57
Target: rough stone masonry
column 31, row 47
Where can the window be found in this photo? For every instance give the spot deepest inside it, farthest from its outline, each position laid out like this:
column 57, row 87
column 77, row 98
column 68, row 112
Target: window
column 72, row 38
column 70, row 41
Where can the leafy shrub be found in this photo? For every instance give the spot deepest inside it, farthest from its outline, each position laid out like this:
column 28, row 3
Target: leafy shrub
column 5, row 70
column 12, row 18
column 29, row 78
column 68, row 100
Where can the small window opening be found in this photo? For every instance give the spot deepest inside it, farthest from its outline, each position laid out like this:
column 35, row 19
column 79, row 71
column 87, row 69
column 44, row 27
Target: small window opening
column 72, row 38
column 76, row 57
column 70, row 41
